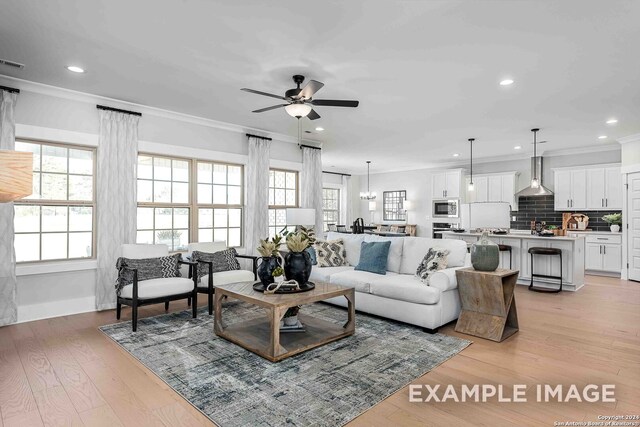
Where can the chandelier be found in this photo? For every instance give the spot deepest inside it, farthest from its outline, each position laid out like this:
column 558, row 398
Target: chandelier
column 368, row 195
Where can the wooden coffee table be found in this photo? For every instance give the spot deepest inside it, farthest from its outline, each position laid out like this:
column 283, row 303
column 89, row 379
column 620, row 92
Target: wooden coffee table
column 262, row 336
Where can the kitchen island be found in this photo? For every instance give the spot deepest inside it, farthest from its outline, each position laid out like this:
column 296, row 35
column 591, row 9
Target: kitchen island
column 572, row 247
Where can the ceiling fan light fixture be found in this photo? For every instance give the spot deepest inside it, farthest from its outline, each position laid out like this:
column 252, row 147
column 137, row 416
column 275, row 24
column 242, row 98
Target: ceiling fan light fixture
column 298, row 110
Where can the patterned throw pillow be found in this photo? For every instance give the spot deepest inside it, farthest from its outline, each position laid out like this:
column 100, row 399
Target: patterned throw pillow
column 434, row 260
column 222, row 261
column 148, row 268
column 330, row 253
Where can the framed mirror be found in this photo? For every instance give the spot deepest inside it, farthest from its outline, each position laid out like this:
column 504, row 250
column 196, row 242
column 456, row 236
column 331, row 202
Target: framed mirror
column 392, row 205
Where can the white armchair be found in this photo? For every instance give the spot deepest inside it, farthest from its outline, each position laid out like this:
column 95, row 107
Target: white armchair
column 153, row 291
column 207, row 283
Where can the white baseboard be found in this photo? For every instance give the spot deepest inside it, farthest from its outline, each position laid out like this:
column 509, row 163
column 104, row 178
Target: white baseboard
column 28, row 313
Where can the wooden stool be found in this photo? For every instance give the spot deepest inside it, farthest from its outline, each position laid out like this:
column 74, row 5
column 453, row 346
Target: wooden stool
column 545, row 252
column 505, row 248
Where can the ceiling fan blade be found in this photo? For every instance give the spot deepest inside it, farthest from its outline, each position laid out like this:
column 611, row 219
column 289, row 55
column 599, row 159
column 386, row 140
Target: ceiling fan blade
column 334, row 102
column 313, row 115
column 262, row 110
column 312, row 87
column 257, row 92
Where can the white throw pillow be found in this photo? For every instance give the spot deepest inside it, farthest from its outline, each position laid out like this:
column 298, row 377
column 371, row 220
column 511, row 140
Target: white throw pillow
column 415, row 248
column 434, row 260
column 352, row 244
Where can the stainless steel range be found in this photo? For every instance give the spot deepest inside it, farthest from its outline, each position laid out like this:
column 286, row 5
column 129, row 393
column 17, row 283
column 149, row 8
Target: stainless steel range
column 439, row 227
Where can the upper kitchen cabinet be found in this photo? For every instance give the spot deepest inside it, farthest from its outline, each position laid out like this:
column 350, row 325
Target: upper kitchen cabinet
column 493, row 188
column 588, row 188
column 446, row 184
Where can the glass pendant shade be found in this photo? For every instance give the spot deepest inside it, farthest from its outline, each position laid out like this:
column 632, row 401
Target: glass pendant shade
column 298, row 110
column 471, row 187
column 372, row 206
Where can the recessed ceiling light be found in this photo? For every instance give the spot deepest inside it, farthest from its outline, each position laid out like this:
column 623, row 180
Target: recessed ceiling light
column 612, row 121
column 456, row 155
column 517, row 147
column 75, row 69
column 602, row 137
column 506, row 82
column 319, row 129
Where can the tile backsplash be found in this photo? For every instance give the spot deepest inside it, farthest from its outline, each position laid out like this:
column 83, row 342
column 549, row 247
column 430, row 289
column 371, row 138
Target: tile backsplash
column 541, row 209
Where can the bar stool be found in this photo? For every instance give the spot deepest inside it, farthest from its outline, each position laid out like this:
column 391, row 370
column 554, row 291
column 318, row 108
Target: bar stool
column 505, row 248
column 545, row 252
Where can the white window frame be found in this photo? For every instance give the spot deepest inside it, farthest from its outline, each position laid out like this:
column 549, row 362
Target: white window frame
column 337, row 211
column 275, row 227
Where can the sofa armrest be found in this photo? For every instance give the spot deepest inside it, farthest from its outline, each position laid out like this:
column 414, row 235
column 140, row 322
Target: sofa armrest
column 254, row 264
column 445, row 279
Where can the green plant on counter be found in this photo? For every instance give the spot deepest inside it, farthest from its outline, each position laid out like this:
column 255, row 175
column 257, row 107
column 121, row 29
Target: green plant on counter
column 308, row 233
column 292, row 311
column 269, row 247
column 613, row 219
column 552, row 227
column 297, row 242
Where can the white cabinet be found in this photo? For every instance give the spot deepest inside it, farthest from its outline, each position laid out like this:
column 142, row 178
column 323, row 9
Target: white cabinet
column 548, row 265
column 604, row 253
column 588, row 188
column 493, row 188
column 446, row 184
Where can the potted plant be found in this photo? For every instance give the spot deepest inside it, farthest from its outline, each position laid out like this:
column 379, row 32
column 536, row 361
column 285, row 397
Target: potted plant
column 270, row 259
column 553, row 229
column 291, row 316
column 297, row 262
column 614, row 220
column 278, row 274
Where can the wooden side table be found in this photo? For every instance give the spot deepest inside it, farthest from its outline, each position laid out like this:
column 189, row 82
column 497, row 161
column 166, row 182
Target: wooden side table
column 488, row 304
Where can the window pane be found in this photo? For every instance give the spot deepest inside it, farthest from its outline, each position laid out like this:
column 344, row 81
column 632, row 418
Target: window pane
column 281, row 199
column 219, row 234
column 280, row 179
column 205, row 173
column 272, row 181
column 234, row 196
column 27, row 219
column 166, row 237
column 272, row 196
column 220, row 218
column 180, row 192
column 145, row 167
column 162, row 192
column 80, row 218
column 235, row 217
column 31, row 148
column 205, row 218
column 272, row 216
column 291, row 180
column 145, row 219
column 54, row 159
column 163, row 218
column 182, row 241
column 180, row 170
column 205, row 235
column 219, row 194
column 80, row 187
column 291, row 197
column 219, row 174
column 27, row 247
column 54, row 245
column 204, row 193
column 145, row 237
column 80, row 162
column 181, row 218
column 162, row 168
column 54, row 186
column 234, row 237
column 234, row 174
column 80, row 245
column 145, row 191
column 281, row 217
column 54, row 218
column 35, row 192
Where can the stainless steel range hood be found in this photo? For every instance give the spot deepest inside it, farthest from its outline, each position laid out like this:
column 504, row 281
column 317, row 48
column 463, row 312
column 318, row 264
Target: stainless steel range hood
column 541, row 190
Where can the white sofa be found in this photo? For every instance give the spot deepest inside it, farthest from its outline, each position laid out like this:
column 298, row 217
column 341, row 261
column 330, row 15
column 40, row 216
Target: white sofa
column 399, row 294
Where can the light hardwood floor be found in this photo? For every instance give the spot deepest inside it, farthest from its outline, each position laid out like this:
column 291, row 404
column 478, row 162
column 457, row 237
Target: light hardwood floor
column 64, row 371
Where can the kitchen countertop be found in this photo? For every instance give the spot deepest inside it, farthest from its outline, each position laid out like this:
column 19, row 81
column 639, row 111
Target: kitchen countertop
column 521, row 234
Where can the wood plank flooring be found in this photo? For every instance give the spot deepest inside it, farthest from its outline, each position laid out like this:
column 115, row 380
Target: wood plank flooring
column 64, row 372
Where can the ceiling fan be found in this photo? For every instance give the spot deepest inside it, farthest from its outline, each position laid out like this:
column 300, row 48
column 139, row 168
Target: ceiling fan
column 299, row 100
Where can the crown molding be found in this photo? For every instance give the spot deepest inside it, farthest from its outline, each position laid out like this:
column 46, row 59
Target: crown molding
column 631, row 138
column 73, row 95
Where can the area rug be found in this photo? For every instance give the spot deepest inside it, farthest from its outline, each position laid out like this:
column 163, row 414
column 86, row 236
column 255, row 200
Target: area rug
column 326, row 386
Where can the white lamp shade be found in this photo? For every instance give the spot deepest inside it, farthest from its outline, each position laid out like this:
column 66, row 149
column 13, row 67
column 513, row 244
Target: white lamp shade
column 298, row 110
column 300, row 216
column 372, row 206
column 406, row 205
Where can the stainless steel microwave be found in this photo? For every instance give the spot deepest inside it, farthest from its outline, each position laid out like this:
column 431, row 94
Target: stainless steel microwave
column 446, row 208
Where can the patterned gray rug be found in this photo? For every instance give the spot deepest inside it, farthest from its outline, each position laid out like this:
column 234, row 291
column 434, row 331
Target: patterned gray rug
column 326, row 386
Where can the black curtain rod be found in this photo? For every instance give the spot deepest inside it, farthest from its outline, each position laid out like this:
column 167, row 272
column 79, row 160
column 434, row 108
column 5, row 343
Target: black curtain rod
column 258, row 136
column 337, row 173
column 309, row 146
column 117, row 110
column 10, row 89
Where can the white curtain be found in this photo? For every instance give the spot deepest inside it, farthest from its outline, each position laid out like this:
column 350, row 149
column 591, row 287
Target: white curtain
column 256, row 224
column 347, row 215
column 311, row 183
column 8, row 284
column 116, row 197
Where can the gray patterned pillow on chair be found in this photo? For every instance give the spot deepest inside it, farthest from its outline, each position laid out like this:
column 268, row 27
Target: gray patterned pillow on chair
column 222, row 261
column 148, row 268
column 330, row 253
column 434, row 260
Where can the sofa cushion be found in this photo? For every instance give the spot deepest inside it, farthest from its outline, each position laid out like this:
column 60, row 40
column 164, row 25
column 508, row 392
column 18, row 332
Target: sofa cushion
column 445, row 280
column 330, row 253
column 324, row 274
column 155, row 288
column 359, row 280
column 415, row 248
column 226, row 277
column 434, row 260
column 404, row 287
column 351, row 245
column 395, row 250
column 373, row 257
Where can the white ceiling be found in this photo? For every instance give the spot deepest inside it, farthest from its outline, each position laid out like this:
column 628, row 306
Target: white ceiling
column 426, row 72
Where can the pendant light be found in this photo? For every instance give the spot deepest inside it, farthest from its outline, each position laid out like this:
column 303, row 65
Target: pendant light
column 535, row 182
column 536, row 186
column 471, row 186
column 368, row 195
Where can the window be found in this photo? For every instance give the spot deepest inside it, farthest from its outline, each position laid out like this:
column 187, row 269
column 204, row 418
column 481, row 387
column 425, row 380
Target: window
column 283, row 194
column 330, row 207
column 57, row 221
column 165, row 202
column 393, row 205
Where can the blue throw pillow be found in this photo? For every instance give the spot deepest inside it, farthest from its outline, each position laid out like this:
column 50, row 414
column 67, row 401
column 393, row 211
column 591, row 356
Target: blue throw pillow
column 373, row 257
column 312, row 254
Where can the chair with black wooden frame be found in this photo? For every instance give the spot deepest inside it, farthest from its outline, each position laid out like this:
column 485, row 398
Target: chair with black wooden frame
column 154, row 291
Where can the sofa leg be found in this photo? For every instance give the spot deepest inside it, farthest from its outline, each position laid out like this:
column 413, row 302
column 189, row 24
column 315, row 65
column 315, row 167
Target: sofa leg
column 210, row 303
column 118, row 310
column 195, row 304
column 189, row 302
column 166, row 305
column 430, row 331
column 134, row 318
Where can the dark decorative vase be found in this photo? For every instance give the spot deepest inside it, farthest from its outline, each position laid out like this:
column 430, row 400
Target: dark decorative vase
column 485, row 254
column 297, row 266
column 266, row 265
